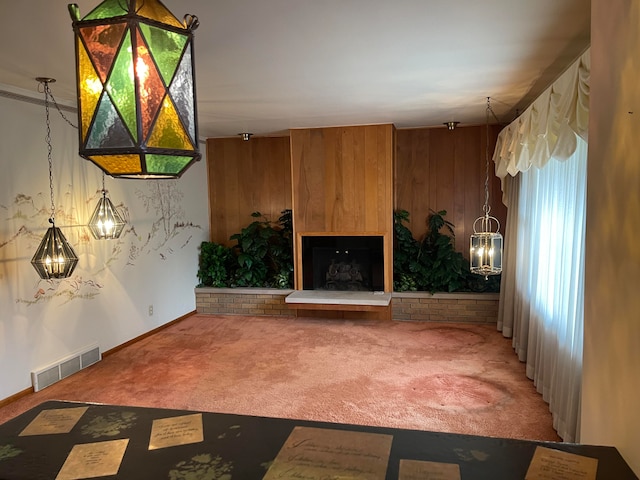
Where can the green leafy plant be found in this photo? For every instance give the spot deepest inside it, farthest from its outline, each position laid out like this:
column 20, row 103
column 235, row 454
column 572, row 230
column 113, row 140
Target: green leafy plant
column 432, row 264
column 281, row 252
column 443, row 265
column 477, row 283
column 262, row 256
column 264, row 253
column 404, row 282
column 214, row 264
column 406, row 253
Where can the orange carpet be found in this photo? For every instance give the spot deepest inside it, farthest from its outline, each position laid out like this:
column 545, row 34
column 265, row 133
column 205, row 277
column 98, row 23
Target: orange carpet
column 460, row 378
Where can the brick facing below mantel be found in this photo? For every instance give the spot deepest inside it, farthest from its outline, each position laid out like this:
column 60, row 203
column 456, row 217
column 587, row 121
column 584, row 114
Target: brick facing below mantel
column 406, row 306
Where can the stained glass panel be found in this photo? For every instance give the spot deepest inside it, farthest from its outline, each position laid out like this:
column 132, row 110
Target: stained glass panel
column 118, row 164
column 121, row 86
column 151, row 89
column 157, row 11
column 168, row 131
column 108, row 130
column 135, row 89
column 102, row 41
column 90, row 89
column 108, row 9
column 166, row 48
column 182, row 93
column 171, row 164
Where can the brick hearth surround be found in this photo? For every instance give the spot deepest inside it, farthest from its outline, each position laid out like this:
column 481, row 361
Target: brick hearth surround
column 407, row 306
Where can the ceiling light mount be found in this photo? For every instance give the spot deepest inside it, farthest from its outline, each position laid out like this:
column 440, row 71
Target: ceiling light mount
column 451, row 125
column 246, row 136
column 45, row 80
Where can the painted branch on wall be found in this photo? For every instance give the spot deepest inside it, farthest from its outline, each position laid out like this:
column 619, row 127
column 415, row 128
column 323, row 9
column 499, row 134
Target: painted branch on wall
column 171, row 230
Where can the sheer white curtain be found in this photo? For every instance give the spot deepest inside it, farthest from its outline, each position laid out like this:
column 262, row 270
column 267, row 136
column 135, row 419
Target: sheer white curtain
column 542, row 159
column 546, row 289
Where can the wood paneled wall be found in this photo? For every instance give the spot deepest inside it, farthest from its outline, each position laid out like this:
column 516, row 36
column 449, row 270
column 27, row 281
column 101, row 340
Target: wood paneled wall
column 439, row 169
column 343, row 184
column 245, row 177
column 348, row 180
column 342, row 178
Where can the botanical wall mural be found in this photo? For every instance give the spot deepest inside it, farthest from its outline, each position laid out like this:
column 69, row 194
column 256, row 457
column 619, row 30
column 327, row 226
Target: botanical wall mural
column 160, row 199
column 121, row 288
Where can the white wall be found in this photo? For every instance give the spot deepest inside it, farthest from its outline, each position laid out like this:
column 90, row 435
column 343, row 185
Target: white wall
column 106, row 301
column 611, row 372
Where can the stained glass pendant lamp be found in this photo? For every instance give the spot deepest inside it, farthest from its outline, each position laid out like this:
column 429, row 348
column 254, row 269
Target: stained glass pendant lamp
column 106, row 223
column 55, row 257
column 136, row 89
column 485, row 252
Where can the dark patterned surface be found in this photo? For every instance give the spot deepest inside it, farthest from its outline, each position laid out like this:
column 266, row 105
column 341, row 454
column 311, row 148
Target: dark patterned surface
column 243, row 447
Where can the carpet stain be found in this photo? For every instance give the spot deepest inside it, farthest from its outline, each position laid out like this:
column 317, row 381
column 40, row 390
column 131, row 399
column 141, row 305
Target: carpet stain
column 457, row 392
column 452, row 338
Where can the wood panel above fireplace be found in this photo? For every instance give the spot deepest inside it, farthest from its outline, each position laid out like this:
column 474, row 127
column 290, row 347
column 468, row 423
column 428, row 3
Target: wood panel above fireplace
column 342, row 182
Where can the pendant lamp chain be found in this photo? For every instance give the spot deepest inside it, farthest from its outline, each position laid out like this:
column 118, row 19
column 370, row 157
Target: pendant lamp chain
column 486, row 207
column 47, row 92
column 55, row 257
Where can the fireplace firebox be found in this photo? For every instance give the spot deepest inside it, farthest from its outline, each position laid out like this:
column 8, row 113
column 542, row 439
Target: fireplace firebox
column 343, row 262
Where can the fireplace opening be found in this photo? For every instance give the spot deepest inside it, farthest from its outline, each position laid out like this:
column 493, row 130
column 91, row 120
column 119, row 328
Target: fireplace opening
column 341, row 262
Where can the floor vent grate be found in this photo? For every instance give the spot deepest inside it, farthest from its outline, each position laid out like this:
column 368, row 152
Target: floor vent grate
column 46, row 376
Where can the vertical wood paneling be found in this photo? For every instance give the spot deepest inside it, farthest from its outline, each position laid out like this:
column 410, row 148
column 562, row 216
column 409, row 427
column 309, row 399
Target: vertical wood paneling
column 349, row 169
column 443, row 153
column 469, row 180
column 343, row 184
column 439, row 169
column 348, row 180
column 245, row 177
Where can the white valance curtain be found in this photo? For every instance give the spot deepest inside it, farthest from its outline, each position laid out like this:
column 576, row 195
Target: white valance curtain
column 542, row 288
column 548, row 128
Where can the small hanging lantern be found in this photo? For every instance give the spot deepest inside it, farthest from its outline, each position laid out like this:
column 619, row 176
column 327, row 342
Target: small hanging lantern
column 136, row 89
column 105, row 223
column 485, row 252
column 55, row 257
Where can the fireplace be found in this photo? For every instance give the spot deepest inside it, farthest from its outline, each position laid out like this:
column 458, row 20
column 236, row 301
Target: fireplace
column 343, row 262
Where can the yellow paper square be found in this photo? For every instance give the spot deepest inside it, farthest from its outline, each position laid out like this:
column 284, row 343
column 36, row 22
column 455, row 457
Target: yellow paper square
column 319, row 453
column 91, row 460
column 54, row 421
column 551, row 464
column 183, row 430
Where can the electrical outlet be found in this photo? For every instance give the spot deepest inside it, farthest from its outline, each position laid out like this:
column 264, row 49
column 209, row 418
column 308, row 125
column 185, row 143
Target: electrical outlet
column 150, row 310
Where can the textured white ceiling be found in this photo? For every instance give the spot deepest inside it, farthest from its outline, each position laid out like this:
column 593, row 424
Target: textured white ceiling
column 265, row 66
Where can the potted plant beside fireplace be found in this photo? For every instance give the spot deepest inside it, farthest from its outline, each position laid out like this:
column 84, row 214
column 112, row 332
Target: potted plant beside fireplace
column 432, row 264
column 262, row 256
